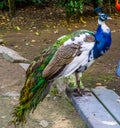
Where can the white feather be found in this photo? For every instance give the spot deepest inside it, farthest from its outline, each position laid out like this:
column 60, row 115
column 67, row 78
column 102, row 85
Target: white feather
column 76, row 40
column 78, row 61
column 105, row 28
column 87, row 46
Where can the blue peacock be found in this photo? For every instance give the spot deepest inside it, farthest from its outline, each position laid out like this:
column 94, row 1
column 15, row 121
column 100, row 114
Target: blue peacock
column 70, row 54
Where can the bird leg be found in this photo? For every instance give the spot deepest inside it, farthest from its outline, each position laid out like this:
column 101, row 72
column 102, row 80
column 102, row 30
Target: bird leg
column 80, row 88
column 71, row 82
column 78, row 80
column 76, row 87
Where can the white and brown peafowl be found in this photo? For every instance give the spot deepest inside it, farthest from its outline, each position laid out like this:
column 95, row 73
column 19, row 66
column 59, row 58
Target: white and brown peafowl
column 71, row 54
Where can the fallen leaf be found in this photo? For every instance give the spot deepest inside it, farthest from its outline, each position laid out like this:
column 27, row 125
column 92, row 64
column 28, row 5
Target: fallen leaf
column 27, row 43
column 76, row 26
column 33, row 41
column 54, row 26
column 37, row 33
column 18, row 28
column 81, row 20
column 3, row 17
column 98, row 84
column 56, row 31
column 69, row 29
column 113, row 31
column 16, row 46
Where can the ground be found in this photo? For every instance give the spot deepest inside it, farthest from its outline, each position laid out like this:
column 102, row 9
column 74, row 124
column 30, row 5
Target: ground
column 34, row 29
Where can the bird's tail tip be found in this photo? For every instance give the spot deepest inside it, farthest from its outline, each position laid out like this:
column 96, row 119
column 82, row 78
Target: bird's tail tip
column 18, row 116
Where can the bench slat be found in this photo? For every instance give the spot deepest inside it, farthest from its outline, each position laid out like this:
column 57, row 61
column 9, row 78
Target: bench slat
column 93, row 113
column 110, row 100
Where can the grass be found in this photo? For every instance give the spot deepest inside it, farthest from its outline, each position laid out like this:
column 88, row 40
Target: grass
column 106, row 78
column 90, row 80
column 54, row 91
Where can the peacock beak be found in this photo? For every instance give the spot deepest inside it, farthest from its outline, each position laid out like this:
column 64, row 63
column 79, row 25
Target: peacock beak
column 109, row 18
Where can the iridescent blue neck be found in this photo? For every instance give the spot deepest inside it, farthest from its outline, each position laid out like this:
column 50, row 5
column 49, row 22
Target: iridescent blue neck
column 103, row 40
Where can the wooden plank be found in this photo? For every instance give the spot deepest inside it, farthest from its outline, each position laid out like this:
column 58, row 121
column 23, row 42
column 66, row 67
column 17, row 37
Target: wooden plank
column 93, row 113
column 110, row 100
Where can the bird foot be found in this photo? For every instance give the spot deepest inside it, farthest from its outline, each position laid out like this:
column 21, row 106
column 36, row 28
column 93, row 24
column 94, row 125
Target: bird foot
column 81, row 92
column 77, row 92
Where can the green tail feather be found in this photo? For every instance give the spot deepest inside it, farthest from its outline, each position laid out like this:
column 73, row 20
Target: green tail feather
column 33, row 92
column 36, row 87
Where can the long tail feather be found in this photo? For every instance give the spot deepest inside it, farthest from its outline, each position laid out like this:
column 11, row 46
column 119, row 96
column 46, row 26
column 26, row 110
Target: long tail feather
column 34, row 91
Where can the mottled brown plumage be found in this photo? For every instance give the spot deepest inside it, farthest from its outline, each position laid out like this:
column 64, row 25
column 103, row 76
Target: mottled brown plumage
column 62, row 57
column 89, row 38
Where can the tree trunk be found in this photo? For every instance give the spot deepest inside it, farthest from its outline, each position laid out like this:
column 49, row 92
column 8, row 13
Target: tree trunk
column 11, row 4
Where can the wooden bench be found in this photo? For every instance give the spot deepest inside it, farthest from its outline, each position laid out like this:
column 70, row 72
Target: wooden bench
column 101, row 109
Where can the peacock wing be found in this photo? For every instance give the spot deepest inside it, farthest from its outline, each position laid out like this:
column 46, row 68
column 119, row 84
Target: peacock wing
column 63, row 56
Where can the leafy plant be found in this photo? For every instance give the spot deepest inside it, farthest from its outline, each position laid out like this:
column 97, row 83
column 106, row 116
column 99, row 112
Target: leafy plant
column 73, row 7
column 38, row 1
column 2, row 4
column 76, row 7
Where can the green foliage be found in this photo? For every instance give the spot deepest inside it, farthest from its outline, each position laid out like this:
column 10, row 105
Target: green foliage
column 90, row 80
column 106, row 78
column 73, row 7
column 100, row 2
column 38, row 1
column 2, row 4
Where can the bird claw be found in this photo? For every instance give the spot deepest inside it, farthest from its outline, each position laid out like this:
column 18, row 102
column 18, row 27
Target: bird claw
column 80, row 92
column 77, row 92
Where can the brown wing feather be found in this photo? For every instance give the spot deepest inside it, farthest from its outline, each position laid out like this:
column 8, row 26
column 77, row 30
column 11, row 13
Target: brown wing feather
column 63, row 56
column 89, row 38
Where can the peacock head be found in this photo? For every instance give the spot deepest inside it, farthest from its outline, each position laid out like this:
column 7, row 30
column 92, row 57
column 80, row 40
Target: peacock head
column 102, row 17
